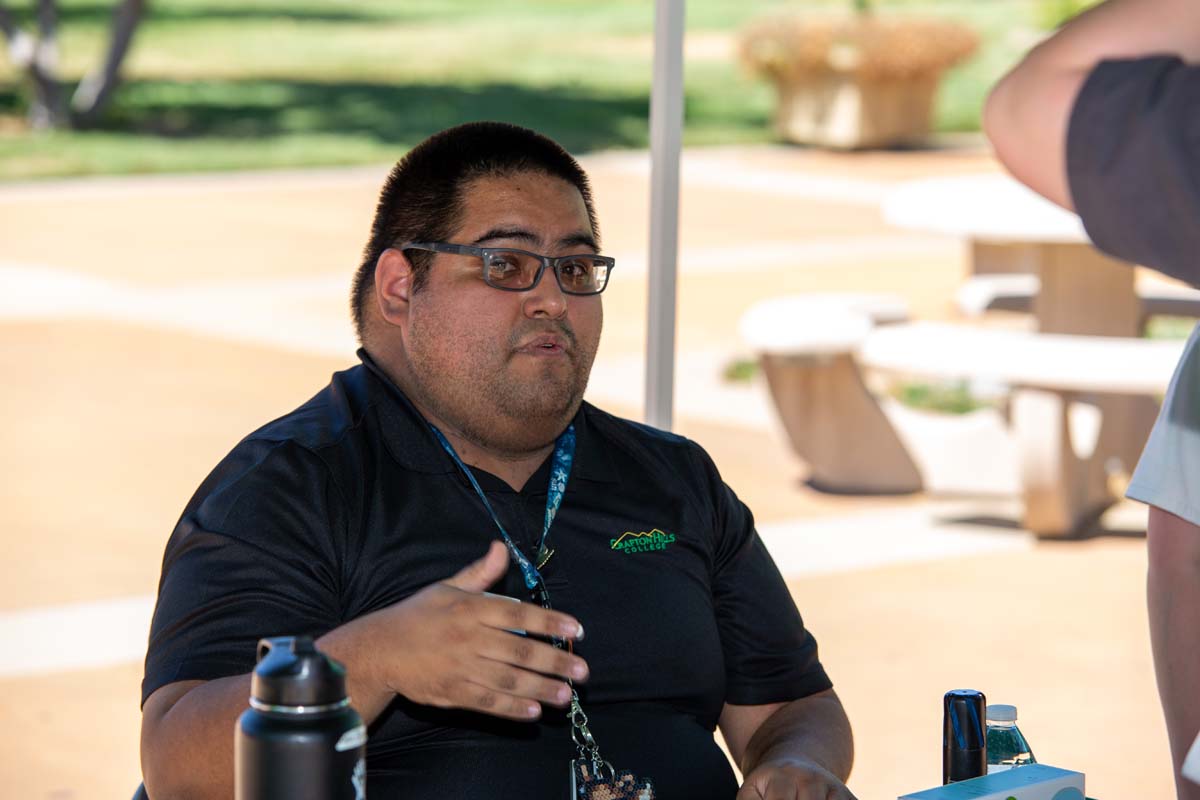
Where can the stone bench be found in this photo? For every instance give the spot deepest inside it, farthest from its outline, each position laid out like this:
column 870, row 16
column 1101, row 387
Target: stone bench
column 1066, row 390
column 806, row 344
column 1016, row 292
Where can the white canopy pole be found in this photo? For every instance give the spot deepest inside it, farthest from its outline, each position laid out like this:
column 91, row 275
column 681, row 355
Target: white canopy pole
column 666, row 133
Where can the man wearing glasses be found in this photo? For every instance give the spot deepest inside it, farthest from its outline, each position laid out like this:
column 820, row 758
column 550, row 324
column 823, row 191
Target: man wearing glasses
column 399, row 513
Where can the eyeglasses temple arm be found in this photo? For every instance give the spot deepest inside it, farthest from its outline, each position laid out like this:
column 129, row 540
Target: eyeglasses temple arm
column 442, row 247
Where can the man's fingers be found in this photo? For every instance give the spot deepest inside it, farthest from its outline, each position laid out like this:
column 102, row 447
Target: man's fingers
column 532, row 655
column 486, row 700
column 479, row 575
column 508, row 614
column 790, row 783
column 521, row 683
column 780, row 789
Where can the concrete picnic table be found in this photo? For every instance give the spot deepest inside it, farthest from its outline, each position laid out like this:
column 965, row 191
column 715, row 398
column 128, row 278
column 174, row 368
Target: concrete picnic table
column 1081, row 293
column 1010, row 228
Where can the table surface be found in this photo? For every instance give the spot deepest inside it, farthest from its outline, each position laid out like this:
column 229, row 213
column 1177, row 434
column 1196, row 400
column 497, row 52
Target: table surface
column 988, row 207
column 1023, row 358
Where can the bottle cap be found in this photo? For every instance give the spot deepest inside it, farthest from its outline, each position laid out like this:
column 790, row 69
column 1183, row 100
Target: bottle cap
column 964, row 752
column 999, row 712
column 962, row 720
column 292, row 672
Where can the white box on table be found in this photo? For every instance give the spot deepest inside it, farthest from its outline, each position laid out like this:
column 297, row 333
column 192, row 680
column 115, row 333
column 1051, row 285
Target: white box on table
column 1030, row 782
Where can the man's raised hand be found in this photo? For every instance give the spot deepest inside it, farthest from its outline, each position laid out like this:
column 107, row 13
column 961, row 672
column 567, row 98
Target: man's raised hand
column 451, row 645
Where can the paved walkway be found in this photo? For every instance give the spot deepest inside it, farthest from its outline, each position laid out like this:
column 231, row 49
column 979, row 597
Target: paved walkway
column 148, row 323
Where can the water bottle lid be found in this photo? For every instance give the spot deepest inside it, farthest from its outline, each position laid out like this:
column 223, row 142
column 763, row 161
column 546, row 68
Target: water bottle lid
column 292, row 672
column 963, row 719
column 1002, row 713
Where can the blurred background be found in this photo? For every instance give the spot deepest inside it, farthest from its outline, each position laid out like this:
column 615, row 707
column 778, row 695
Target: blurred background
column 186, row 186
column 214, row 85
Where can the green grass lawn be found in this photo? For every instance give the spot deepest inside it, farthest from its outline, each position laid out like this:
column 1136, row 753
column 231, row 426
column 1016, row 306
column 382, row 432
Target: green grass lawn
column 235, row 84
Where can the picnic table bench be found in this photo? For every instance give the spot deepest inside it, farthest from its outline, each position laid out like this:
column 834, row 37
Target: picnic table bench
column 1016, row 292
column 1081, row 406
column 1083, row 390
column 806, row 345
column 1036, row 250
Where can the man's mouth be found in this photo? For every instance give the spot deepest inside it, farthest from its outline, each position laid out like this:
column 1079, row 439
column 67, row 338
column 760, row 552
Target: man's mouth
column 544, row 345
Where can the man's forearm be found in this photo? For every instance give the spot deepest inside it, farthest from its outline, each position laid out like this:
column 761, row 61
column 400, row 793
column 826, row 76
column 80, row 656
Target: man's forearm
column 813, row 729
column 187, row 750
column 448, row 645
column 1173, row 598
column 1124, row 29
column 360, row 651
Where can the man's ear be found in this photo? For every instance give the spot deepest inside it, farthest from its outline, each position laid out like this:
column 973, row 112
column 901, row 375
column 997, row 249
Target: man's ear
column 393, row 285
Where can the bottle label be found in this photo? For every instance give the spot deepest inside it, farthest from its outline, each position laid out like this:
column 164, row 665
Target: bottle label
column 352, row 739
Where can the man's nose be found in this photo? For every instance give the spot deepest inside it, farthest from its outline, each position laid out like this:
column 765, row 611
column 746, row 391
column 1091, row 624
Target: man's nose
column 546, row 299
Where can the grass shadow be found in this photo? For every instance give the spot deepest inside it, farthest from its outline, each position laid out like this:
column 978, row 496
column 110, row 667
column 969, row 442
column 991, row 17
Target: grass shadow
column 1091, row 528
column 983, row 521
column 389, row 113
column 98, row 13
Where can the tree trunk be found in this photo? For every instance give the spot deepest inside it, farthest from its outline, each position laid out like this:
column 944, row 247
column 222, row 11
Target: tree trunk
column 48, row 110
column 95, row 90
column 38, row 59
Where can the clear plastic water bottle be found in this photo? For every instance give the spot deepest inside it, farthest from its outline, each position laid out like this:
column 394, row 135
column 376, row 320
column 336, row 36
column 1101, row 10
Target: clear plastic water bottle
column 1006, row 745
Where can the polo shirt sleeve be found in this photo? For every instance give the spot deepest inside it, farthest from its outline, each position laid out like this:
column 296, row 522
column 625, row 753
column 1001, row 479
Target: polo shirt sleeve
column 770, row 657
column 1133, row 162
column 1166, row 473
column 253, row 555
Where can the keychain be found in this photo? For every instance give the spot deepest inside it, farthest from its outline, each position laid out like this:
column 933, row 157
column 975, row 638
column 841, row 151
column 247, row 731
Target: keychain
column 593, row 778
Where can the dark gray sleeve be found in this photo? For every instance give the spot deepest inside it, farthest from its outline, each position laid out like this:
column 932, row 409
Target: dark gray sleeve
column 1133, row 162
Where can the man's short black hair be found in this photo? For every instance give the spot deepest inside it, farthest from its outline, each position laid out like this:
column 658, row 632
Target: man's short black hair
column 421, row 201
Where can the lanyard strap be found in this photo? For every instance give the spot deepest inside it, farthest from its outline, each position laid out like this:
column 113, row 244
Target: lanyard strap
column 560, row 471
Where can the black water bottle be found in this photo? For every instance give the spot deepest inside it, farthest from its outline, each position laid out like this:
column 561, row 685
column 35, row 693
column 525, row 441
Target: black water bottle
column 300, row 739
column 964, row 742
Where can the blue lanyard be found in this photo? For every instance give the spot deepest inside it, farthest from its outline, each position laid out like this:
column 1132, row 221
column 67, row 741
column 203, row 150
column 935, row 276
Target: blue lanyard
column 560, row 471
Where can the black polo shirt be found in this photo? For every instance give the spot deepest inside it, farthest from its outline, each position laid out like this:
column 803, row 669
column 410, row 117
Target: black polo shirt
column 348, row 505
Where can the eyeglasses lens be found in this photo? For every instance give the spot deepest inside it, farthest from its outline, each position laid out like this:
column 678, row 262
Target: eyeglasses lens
column 582, row 275
column 508, row 269
column 514, row 270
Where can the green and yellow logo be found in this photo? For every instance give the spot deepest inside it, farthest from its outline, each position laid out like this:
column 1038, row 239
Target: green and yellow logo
column 644, row 542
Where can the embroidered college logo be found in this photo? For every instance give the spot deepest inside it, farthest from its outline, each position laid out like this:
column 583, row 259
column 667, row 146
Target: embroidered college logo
column 644, row 542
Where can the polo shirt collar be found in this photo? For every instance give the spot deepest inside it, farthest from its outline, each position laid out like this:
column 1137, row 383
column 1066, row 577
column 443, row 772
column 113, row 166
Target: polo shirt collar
column 410, row 441
column 406, row 434
column 593, row 456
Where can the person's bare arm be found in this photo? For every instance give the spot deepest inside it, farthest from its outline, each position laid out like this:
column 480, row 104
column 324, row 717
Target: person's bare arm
column 1173, row 599
column 791, row 751
column 448, row 645
column 1027, row 113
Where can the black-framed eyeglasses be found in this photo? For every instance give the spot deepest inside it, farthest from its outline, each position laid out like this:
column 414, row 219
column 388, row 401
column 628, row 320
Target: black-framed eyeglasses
column 513, row 270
